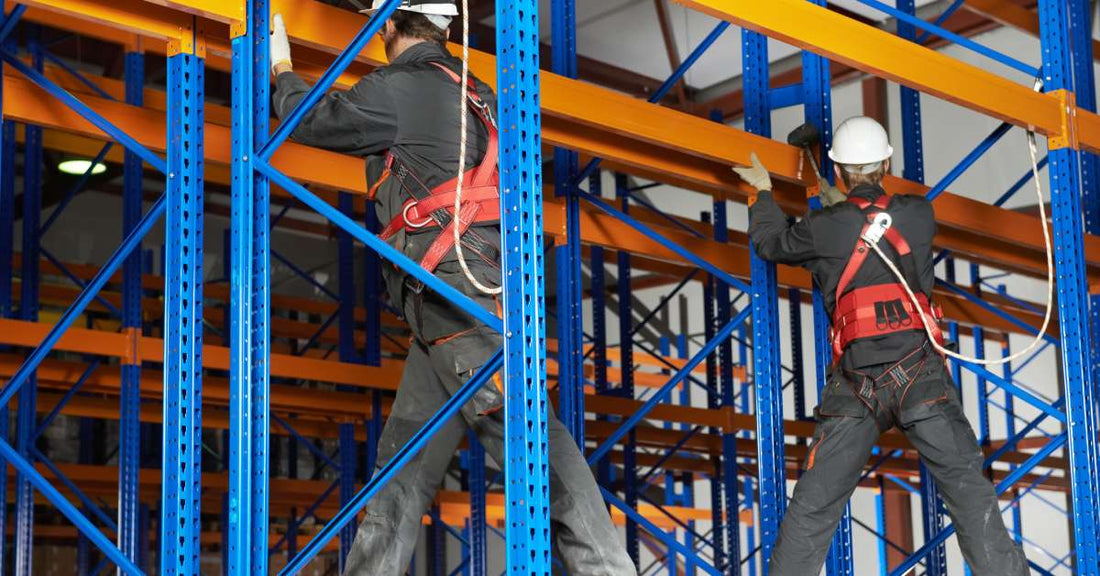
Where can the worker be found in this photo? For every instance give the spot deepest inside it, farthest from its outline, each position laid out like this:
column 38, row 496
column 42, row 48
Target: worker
column 404, row 119
column 886, row 373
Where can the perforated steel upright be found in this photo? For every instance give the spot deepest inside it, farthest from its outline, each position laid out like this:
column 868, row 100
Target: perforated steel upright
column 525, row 451
column 1066, row 206
column 249, row 278
column 129, row 426
column 183, row 327
column 765, row 322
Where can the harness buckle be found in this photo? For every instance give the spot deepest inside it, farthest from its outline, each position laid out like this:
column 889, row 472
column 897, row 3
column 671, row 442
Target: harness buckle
column 879, row 225
column 410, row 223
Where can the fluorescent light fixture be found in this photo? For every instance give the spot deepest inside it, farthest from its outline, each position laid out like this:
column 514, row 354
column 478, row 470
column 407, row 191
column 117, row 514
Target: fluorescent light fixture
column 79, row 167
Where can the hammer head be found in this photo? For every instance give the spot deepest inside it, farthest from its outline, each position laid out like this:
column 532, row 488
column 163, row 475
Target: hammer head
column 804, row 136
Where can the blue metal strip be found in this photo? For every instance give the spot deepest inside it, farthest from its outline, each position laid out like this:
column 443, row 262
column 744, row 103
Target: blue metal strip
column 968, row 160
column 385, row 250
column 347, row 487
column 906, row 17
column 1072, row 285
column 1021, row 182
column 661, row 535
column 525, row 409
column 345, row 272
column 304, row 275
column 714, row 402
column 77, row 187
column 75, row 280
column 87, row 113
column 80, row 77
column 1010, row 431
column 91, row 531
column 180, row 487
column 45, row 423
column 10, row 20
column 765, row 315
column 87, row 502
column 479, row 537
column 381, row 477
column 938, row 539
column 28, row 311
column 626, row 367
column 730, row 492
column 786, row 96
column 313, row 449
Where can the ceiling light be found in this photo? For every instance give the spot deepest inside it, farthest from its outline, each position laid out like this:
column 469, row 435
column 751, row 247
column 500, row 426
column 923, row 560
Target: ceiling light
column 80, row 167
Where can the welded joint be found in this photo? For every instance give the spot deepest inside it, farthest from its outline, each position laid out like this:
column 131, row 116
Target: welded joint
column 131, row 356
column 1069, row 137
column 191, row 40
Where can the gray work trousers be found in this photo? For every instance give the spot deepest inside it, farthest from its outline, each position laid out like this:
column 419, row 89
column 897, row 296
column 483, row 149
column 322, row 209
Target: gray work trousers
column 918, row 396
column 437, row 366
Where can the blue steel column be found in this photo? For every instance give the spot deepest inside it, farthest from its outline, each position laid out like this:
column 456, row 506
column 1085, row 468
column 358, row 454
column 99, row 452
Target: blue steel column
column 626, row 365
column 180, row 489
column 913, row 149
column 129, row 426
column 714, row 402
column 570, row 289
column 26, row 420
column 250, row 302
column 526, row 487
column 730, row 493
column 1010, row 432
column 817, row 96
column 345, row 270
column 346, row 449
column 765, row 321
column 978, row 335
column 478, row 530
column 7, row 237
column 599, row 325
column 1072, row 285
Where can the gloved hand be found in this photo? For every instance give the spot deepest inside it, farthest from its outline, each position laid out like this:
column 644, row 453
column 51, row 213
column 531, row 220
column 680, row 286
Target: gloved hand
column 756, row 175
column 830, row 195
column 280, row 46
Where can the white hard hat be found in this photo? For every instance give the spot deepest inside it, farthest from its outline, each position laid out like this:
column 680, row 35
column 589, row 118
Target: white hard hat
column 860, row 140
column 432, row 7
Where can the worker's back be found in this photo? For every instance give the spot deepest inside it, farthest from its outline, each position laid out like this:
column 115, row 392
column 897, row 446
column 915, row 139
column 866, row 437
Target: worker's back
column 824, row 243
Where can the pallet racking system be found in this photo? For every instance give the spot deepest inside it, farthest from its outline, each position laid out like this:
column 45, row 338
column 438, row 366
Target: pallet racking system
column 235, row 368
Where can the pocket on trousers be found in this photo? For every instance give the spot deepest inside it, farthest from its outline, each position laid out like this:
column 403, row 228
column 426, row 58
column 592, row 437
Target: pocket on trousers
column 925, row 395
column 472, row 351
column 839, row 399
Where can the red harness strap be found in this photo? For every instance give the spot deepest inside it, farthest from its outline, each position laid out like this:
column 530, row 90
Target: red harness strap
column 876, row 310
column 480, row 192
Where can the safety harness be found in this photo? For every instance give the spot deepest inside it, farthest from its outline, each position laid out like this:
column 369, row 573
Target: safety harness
column 884, row 308
column 433, row 209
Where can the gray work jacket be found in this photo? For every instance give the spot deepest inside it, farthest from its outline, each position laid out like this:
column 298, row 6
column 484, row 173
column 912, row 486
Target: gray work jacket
column 409, row 108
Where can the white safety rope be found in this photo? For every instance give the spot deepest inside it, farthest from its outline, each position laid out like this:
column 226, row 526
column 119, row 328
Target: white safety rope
column 462, row 143
column 874, row 234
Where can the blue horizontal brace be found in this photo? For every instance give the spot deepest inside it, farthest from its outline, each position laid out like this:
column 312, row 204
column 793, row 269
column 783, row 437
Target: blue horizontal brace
column 1010, row 444
column 1029, row 329
column 1003, row 293
column 308, row 513
column 786, row 96
column 415, row 444
column 65, row 399
column 657, row 211
column 1015, row 390
column 77, row 187
column 317, row 334
column 91, row 531
column 661, row 92
column 75, row 280
column 303, row 275
column 76, row 74
column 679, row 250
column 313, row 449
column 669, row 541
column 86, row 112
column 658, row 397
column 905, row 485
column 77, row 308
column 968, row 160
column 11, row 20
column 80, row 495
column 940, row 19
column 1021, row 182
column 373, row 25
column 953, row 37
column 1013, row 477
column 382, row 248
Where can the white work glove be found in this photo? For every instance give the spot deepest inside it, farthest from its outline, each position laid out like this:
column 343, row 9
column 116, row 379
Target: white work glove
column 756, row 175
column 280, row 45
column 830, row 195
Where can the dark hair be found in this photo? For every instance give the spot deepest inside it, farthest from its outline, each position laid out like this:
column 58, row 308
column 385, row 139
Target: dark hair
column 415, row 25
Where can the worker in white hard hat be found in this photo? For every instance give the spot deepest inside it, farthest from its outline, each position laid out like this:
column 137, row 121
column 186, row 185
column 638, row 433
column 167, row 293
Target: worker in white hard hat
column 886, row 373
column 403, row 118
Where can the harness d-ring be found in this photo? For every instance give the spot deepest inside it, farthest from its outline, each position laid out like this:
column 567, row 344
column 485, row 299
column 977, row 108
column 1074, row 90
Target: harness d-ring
column 410, row 223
